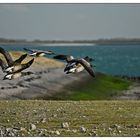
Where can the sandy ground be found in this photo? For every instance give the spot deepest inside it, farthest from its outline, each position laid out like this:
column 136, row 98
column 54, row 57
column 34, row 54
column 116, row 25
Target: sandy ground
column 44, row 82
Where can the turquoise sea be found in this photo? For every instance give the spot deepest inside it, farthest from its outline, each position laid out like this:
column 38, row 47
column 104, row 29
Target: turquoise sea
column 111, row 59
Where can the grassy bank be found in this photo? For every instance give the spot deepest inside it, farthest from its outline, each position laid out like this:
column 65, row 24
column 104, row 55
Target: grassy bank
column 83, row 118
column 103, row 87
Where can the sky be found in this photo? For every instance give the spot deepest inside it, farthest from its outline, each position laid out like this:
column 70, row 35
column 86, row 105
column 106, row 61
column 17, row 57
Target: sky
column 69, row 21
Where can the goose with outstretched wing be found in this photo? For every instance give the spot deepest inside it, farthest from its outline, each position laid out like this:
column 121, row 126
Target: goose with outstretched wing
column 76, row 65
column 15, row 72
column 13, row 66
column 38, row 53
column 18, row 68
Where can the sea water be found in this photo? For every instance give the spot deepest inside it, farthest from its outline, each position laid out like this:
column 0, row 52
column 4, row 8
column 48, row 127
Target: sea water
column 119, row 59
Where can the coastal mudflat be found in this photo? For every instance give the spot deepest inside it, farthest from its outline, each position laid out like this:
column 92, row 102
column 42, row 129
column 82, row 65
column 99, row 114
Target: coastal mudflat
column 44, row 82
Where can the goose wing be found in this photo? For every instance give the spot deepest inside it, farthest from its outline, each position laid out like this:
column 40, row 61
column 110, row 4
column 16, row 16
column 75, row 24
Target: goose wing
column 7, row 56
column 43, row 51
column 87, row 66
column 25, row 66
column 88, row 59
column 3, row 65
column 39, row 51
column 49, row 52
column 20, row 59
column 68, row 58
column 29, row 50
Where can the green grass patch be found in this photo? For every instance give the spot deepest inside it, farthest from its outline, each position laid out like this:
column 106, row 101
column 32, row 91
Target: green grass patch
column 101, row 88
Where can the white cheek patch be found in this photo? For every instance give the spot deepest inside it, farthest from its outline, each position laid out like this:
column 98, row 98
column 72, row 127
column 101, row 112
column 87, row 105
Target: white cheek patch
column 9, row 69
column 9, row 76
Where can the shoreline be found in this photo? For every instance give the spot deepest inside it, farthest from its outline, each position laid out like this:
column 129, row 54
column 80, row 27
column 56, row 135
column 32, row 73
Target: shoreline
column 46, row 83
column 131, row 78
column 49, row 80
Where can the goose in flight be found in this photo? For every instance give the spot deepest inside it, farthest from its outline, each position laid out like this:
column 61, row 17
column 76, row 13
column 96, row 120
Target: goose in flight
column 19, row 67
column 13, row 66
column 76, row 65
column 37, row 53
column 14, row 72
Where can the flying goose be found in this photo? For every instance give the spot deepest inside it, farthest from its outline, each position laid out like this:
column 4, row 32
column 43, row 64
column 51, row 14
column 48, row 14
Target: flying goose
column 76, row 65
column 16, row 75
column 18, row 68
column 37, row 53
column 13, row 66
column 13, row 74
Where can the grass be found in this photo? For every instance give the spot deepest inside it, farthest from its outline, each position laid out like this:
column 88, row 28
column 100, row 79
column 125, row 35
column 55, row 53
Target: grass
column 104, row 87
column 103, row 118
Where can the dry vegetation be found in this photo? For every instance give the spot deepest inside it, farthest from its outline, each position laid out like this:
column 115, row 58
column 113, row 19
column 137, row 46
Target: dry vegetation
column 69, row 118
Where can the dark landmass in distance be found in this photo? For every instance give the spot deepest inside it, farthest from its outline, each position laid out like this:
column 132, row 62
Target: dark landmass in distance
column 97, row 41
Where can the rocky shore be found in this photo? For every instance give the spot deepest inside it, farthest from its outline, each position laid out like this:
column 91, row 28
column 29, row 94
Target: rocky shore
column 133, row 93
column 131, row 78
